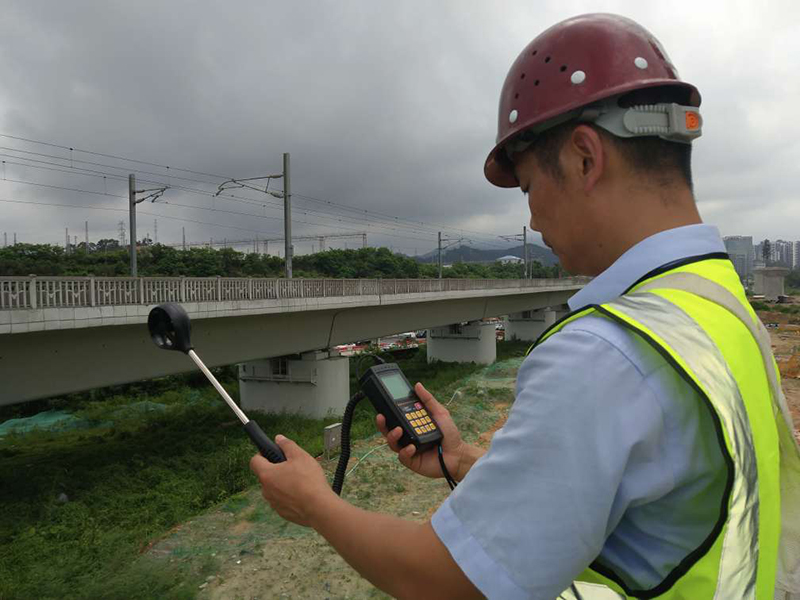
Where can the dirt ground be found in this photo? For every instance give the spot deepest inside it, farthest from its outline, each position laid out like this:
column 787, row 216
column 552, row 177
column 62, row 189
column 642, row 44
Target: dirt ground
column 786, row 348
column 253, row 554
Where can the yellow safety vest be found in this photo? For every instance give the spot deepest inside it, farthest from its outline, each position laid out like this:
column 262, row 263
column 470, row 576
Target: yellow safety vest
column 696, row 315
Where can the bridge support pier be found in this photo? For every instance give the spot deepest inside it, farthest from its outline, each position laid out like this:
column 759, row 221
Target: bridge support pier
column 528, row 325
column 315, row 384
column 467, row 342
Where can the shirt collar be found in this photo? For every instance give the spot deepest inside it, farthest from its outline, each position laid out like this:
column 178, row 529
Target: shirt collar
column 652, row 252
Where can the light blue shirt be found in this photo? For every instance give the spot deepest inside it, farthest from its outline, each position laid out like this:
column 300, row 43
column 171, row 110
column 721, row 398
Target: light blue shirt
column 607, row 454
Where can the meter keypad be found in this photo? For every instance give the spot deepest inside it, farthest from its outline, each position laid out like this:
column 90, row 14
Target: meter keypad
column 420, row 420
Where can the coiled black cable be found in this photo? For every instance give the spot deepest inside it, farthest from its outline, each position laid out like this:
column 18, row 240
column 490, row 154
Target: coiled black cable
column 449, row 478
column 344, row 457
column 347, row 421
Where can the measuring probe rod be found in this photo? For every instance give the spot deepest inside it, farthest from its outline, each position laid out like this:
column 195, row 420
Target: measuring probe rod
column 269, row 449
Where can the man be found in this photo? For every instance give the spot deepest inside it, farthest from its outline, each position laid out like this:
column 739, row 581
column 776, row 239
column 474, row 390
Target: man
column 642, row 442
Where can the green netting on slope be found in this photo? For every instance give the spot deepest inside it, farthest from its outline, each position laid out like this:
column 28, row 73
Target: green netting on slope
column 61, row 420
column 51, row 420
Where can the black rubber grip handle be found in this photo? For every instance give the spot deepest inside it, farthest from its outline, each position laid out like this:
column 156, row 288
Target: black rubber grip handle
column 269, row 449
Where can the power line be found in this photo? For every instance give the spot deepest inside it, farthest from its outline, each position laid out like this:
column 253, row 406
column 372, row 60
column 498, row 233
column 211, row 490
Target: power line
column 393, row 219
column 195, row 207
column 333, row 216
column 219, row 210
column 125, row 210
column 355, row 209
column 133, row 160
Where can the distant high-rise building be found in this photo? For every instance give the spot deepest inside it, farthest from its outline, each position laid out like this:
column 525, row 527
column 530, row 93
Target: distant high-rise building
column 796, row 262
column 783, row 253
column 740, row 249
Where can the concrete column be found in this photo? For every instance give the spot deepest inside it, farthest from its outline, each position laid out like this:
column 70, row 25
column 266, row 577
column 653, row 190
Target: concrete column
column 471, row 342
column 528, row 325
column 561, row 311
column 315, row 384
column 769, row 282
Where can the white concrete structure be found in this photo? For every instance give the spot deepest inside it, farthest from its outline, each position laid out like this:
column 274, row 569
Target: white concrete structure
column 510, row 258
column 60, row 335
column 315, row 384
column 467, row 342
column 769, row 282
column 561, row 311
column 528, row 325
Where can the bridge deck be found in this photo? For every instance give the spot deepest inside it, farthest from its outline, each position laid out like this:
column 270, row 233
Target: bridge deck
column 33, row 303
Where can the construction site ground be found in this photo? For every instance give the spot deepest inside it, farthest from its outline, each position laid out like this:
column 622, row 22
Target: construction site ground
column 251, row 553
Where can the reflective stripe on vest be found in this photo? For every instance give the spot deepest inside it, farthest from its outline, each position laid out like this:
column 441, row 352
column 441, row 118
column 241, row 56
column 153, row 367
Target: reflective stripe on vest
column 788, row 576
column 731, row 563
column 670, row 327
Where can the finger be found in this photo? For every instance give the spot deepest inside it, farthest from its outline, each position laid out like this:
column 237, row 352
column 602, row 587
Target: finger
column 259, row 465
column 406, row 454
column 290, row 449
column 380, row 421
column 431, row 403
column 393, row 439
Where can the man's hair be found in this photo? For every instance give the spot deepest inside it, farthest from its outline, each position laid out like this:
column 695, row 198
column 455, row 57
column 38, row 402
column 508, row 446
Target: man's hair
column 659, row 160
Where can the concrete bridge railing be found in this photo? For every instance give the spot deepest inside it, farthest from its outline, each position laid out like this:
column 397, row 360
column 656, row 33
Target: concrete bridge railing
column 70, row 292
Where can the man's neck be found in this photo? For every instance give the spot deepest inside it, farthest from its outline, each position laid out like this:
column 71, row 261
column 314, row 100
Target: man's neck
column 640, row 214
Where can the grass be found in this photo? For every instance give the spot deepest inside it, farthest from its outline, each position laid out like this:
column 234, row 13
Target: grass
column 136, row 475
column 786, row 309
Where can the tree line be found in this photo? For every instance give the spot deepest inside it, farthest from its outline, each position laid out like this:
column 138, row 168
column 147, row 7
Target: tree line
column 107, row 258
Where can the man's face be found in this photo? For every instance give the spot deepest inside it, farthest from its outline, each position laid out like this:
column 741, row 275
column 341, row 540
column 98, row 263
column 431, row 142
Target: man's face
column 555, row 211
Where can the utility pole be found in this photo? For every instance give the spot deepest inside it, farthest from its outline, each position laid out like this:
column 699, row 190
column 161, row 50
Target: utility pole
column 440, row 255
column 287, row 214
column 132, row 220
column 154, row 194
column 322, row 243
column 15, row 238
column 155, row 230
column 364, row 241
column 286, row 195
column 525, row 250
column 86, row 231
column 5, row 239
column 66, row 246
column 183, row 229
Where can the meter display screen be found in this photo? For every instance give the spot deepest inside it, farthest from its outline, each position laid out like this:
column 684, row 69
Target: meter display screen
column 396, row 385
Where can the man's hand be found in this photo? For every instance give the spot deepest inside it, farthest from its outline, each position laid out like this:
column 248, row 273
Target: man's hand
column 295, row 488
column 458, row 455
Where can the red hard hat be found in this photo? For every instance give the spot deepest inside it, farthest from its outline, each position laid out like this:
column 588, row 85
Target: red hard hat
column 574, row 63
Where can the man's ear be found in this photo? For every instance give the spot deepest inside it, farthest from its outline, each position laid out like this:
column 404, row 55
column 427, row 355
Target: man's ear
column 588, row 156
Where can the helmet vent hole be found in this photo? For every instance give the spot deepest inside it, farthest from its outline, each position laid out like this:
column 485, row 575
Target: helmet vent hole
column 547, row 60
column 536, row 82
column 563, row 68
column 522, row 76
column 516, row 96
column 533, row 53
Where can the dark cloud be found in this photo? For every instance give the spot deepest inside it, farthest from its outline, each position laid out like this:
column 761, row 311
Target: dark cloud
column 389, row 107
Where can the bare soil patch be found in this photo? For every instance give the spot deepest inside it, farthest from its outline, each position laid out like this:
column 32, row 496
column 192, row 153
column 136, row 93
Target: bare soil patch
column 786, row 348
column 252, row 553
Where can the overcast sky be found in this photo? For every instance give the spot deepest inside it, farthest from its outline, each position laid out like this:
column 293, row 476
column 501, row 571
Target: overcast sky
column 388, row 107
